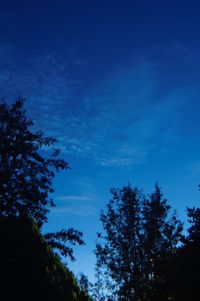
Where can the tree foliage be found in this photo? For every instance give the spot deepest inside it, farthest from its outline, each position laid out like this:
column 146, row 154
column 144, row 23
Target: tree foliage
column 139, row 236
column 26, row 176
column 161, row 235
column 84, row 282
column 193, row 237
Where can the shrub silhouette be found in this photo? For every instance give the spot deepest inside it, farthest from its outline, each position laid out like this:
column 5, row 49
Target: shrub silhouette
column 29, row 268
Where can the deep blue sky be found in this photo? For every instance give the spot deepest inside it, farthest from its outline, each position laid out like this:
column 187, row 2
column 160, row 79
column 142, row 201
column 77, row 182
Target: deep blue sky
column 118, row 84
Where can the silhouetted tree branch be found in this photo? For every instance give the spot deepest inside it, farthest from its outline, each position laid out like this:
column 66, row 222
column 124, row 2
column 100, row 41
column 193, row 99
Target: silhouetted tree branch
column 58, row 240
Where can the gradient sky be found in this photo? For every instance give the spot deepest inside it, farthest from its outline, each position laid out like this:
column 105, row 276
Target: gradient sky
column 118, row 84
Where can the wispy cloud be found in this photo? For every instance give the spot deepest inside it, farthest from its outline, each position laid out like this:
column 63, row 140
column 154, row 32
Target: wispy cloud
column 117, row 123
column 72, row 198
column 81, row 210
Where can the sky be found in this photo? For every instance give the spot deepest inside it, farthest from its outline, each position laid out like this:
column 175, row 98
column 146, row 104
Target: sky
column 117, row 83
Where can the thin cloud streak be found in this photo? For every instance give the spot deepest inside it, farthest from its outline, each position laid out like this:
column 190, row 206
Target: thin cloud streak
column 72, row 198
column 83, row 211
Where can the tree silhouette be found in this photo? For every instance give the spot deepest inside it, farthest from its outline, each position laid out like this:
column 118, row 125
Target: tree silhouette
column 27, row 171
column 31, row 267
column 185, row 282
column 120, row 248
column 25, row 175
column 139, row 239
column 162, row 233
column 194, row 230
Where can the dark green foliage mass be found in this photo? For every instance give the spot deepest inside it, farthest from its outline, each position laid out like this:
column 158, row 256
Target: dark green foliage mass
column 29, row 268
